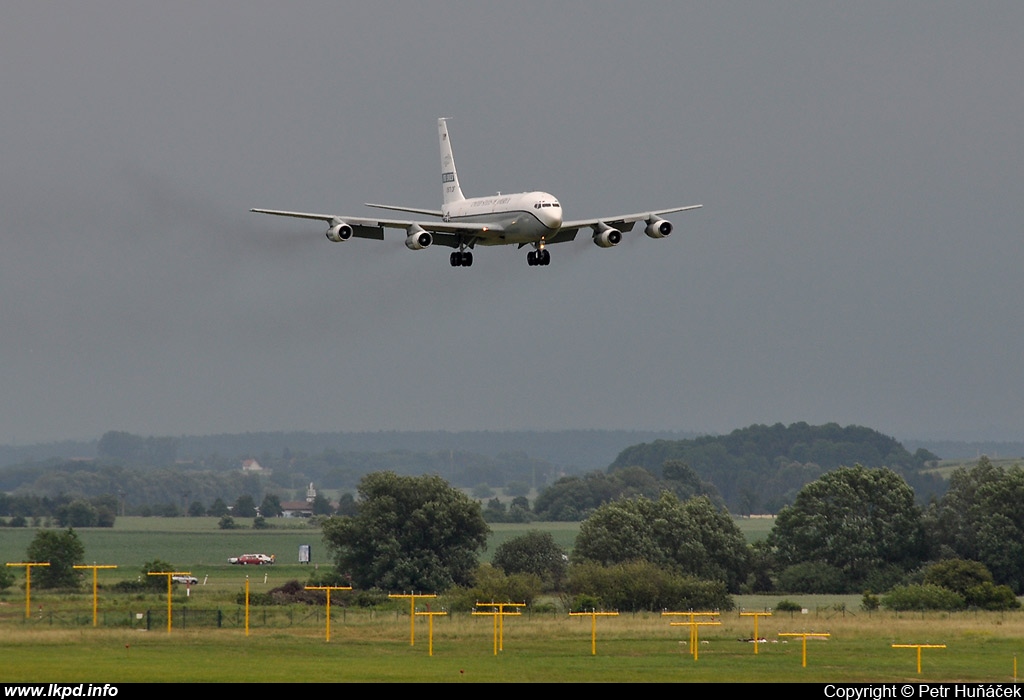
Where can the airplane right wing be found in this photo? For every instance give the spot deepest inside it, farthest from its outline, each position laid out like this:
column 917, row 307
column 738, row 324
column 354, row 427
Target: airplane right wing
column 419, row 234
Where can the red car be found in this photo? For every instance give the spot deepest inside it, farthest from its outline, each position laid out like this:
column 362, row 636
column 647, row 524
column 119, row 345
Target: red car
column 253, row 559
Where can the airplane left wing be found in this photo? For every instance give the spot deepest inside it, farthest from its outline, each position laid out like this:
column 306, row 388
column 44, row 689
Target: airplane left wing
column 656, row 226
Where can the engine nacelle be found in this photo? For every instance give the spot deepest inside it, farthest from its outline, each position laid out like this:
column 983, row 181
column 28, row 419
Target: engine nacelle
column 605, row 236
column 418, row 239
column 339, row 231
column 658, row 228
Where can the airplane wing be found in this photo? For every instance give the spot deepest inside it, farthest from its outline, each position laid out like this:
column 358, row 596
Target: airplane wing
column 622, row 223
column 444, row 233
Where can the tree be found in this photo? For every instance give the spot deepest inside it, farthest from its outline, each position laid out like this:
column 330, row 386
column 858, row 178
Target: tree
column 495, row 511
column 856, row 520
column 63, row 550
column 156, row 583
column 245, row 507
column 517, row 488
column 981, row 518
column 271, row 506
column 346, row 504
column 410, row 534
column 692, row 538
column 78, row 513
column 533, row 553
column 6, row 579
column 322, row 505
column 218, row 509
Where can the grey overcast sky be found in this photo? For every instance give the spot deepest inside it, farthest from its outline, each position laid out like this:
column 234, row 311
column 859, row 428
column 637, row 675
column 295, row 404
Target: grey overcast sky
column 858, row 259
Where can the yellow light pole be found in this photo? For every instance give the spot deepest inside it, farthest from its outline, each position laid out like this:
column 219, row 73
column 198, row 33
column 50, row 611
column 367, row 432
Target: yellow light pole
column 805, row 635
column 692, row 623
column 430, row 628
column 919, row 647
column 756, row 616
column 593, row 626
column 28, row 582
column 499, row 620
column 247, row 605
column 169, row 575
column 694, row 636
column 412, row 611
column 95, row 586
column 328, row 589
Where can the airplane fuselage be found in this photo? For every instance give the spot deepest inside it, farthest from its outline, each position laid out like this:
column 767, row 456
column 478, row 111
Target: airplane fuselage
column 523, row 217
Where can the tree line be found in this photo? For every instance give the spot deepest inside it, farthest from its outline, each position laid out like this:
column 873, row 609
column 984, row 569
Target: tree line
column 755, row 469
column 854, row 530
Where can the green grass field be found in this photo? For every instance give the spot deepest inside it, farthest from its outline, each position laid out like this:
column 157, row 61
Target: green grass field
column 537, row 648
column 287, row 643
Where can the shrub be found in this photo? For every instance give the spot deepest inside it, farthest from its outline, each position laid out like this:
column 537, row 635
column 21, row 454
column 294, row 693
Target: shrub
column 584, row 602
column 788, row 606
column 869, row 602
column 989, row 596
column 957, row 574
column 131, row 586
column 493, row 585
column 926, row 596
column 641, row 585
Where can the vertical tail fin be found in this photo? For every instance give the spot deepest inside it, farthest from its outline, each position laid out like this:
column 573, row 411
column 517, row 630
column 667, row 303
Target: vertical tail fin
column 450, row 190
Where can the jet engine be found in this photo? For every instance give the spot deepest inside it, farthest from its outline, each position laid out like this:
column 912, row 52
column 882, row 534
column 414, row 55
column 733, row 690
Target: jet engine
column 339, row 231
column 605, row 236
column 418, row 239
column 658, row 228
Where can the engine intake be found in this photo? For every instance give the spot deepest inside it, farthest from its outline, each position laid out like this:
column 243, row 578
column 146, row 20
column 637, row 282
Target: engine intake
column 339, row 231
column 605, row 236
column 418, row 239
column 658, row 228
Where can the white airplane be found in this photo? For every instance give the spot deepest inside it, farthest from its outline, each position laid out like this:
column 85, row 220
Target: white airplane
column 527, row 218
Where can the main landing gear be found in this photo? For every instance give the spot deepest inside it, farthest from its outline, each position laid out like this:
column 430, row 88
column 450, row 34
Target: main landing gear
column 461, row 258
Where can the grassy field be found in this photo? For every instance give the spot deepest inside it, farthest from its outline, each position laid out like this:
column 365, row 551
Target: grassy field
column 199, row 543
column 541, row 648
column 287, row 643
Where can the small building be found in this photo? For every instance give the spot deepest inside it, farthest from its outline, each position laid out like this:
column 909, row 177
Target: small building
column 300, row 509
column 251, row 466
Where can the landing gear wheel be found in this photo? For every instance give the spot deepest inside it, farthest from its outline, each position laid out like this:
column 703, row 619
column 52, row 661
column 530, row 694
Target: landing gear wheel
column 461, row 259
column 538, row 257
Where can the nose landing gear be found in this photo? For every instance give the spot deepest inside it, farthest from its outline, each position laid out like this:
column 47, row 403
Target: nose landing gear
column 541, row 256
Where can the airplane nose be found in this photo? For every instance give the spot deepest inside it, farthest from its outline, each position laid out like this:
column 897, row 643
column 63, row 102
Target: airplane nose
column 554, row 217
